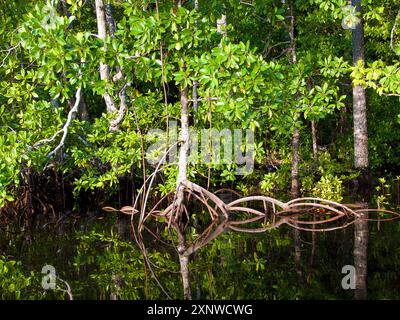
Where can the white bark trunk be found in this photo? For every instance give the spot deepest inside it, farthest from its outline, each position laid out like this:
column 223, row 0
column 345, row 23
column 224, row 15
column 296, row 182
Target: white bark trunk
column 184, row 264
column 104, row 69
column 184, row 149
column 359, row 98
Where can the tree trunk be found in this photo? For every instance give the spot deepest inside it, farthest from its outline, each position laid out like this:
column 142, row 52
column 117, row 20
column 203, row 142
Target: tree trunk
column 184, row 263
column 360, row 128
column 195, row 84
column 360, row 256
column 123, row 224
column 295, row 185
column 313, row 247
column 315, row 159
column 294, row 195
column 295, row 163
column 343, row 123
column 184, row 149
column 314, row 140
column 359, row 98
column 296, row 133
column 183, row 260
column 360, row 160
column 104, row 69
column 182, row 177
column 110, row 19
column 83, row 113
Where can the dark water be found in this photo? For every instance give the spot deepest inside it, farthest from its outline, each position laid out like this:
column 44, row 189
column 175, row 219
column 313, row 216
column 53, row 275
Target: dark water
column 98, row 263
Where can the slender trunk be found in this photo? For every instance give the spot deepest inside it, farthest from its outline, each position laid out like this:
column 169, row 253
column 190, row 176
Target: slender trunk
column 297, row 255
column 123, row 224
column 314, row 140
column 296, row 133
column 83, row 113
column 360, row 256
column 115, row 287
column 198, row 287
column 183, row 260
column 344, row 126
column 104, row 69
column 195, row 84
column 294, row 195
column 359, row 98
column 313, row 247
column 295, row 185
column 195, row 97
column 184, row 149
column 360, row 128
column 182, row 177
column 315, row 158
column 360, row 160
column 195, row 108
column 112, row 28
column 295, row 163
column 114, row 124
column 184, row 263
column 110, row 20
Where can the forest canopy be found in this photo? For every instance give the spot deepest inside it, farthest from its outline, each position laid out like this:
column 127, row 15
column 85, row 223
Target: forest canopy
column 275, row 67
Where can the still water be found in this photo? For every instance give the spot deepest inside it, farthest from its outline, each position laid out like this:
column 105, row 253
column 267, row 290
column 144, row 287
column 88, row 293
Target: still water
column 99, row 261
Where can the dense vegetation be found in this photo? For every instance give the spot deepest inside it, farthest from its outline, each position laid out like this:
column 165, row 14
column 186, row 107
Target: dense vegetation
column 85, row 83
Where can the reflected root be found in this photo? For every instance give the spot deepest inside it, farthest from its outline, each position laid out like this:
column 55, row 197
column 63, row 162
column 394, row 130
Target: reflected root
column 251, row 214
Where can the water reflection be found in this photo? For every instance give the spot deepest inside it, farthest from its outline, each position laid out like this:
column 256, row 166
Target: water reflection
column 99, row 264
column 360, row 256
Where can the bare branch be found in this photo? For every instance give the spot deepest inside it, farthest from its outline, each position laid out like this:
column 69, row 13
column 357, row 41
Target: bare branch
column 68, row 290
column 393, row 31
column 247, row 3
column 64, row 130
column 122, row 110
column 9, row 50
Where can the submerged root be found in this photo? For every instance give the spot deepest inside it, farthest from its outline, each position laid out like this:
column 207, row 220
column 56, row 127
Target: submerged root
column 252, row 214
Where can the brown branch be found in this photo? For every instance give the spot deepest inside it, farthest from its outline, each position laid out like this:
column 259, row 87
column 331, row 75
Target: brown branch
column 114, row 124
